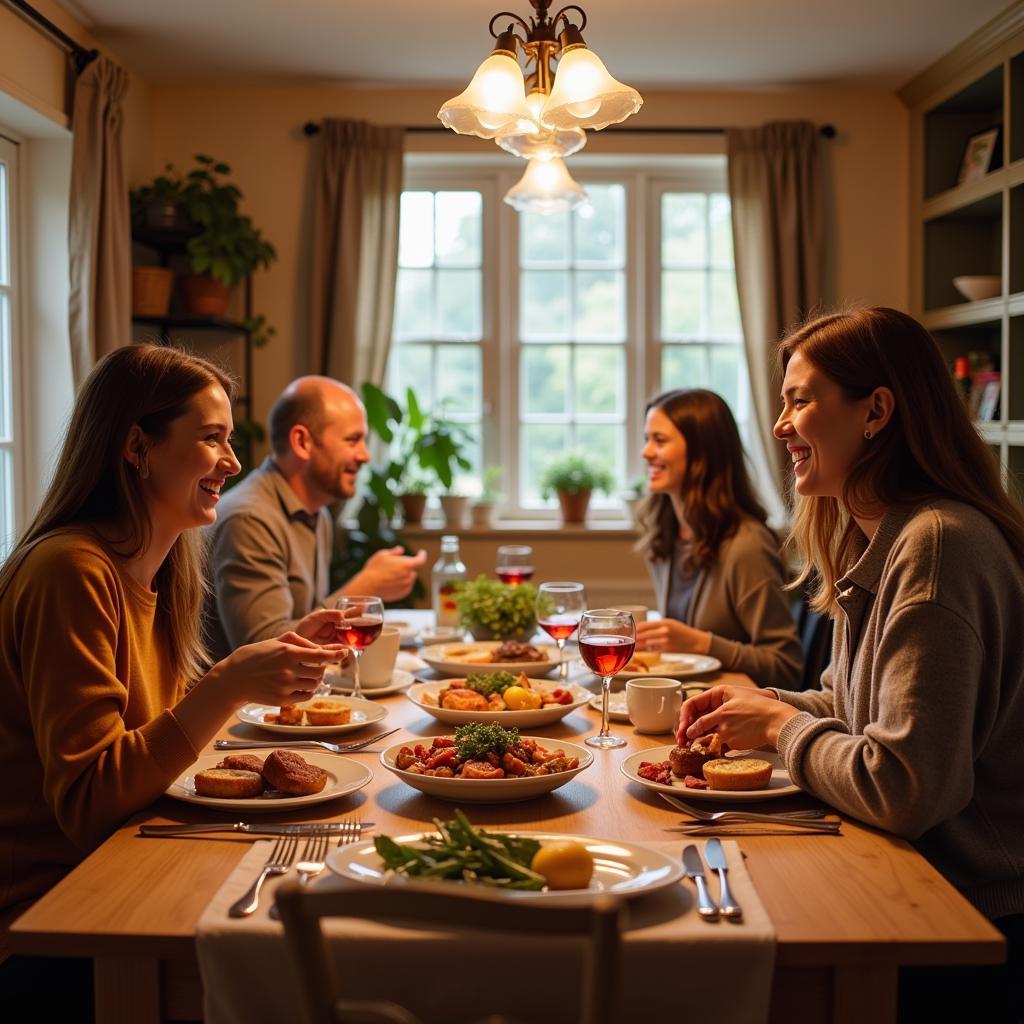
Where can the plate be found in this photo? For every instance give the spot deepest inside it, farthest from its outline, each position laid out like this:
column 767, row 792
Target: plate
column 622, row 869
column 780, row 785
column 489, row 791
column 399, row 681
column 520, row 719
column 406, row 630
column 616, row 706
column 343, row 776
column 364, row 712
column 444, row 658
column 675, row 666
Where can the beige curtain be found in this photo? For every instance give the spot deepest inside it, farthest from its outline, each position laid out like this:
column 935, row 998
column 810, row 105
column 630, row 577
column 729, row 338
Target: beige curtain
column 99, row 232
column 778, row 234
column 357, row 193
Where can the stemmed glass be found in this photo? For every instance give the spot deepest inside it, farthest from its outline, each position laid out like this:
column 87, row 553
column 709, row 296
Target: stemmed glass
column 559, row 608
column 607, row 642
column 514, row 563
column 363, row 620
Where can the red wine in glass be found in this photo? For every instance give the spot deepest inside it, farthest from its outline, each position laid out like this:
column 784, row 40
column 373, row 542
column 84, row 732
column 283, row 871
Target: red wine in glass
column 515, row 573
column 606, row 654
column 560, row 627
column 361, row 631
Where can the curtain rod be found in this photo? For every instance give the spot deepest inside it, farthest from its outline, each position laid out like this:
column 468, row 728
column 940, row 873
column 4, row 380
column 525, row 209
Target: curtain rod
column 79, row 54
column 827, row 131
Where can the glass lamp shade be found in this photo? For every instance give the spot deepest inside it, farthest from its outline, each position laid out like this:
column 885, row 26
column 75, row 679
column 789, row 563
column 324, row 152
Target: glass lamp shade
column 493, row 102
column 546, row 187
column 585, row 95
column 529, row 140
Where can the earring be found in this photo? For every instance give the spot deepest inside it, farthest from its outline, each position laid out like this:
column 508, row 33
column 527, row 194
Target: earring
column 867, row 434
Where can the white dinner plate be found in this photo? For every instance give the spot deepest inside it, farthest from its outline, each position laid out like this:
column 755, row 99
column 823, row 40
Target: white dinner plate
column 488, row 791
column 617, row 711
column 445, row 659
column 780, row 785
column 621, row 869
column 675, row 666
column 399, row 681
column 547, row 715
column 343, row 776
column 364, row 712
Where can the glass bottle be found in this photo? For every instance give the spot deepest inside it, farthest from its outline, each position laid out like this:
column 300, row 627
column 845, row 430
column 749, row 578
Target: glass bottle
column 448, row 570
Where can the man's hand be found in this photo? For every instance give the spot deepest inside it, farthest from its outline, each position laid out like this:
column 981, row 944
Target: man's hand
column 389, row 574
column 745, row 718
column 671, row 635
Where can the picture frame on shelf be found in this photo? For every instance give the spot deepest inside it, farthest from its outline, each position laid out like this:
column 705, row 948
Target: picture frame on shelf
column 984, row 399
column 978, row 155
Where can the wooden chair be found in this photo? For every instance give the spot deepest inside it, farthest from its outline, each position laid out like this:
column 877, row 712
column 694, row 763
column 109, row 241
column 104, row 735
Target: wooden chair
column 302, row 910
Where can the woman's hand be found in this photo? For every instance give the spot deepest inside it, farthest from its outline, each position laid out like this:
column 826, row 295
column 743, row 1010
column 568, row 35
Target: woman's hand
column 321, row 626
column 743, row 717
column 671, row 635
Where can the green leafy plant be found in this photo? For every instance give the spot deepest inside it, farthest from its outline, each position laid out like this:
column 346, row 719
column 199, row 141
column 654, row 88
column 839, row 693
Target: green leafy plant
column 573, row 473
column 507, row 610
column 163, row 189
column 489, row 494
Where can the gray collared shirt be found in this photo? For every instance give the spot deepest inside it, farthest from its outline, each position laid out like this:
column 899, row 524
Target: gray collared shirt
column 269, row 560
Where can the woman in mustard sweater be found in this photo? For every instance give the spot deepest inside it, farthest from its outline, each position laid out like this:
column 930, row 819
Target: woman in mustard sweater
column 104, row 694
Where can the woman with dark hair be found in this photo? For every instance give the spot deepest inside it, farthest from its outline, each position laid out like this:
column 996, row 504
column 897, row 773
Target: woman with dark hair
column 918, row 554
column 715, row 565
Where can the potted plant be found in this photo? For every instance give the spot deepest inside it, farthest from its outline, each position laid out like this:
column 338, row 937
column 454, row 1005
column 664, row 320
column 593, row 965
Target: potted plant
column 573, row 476
column 483, row 507
column 454, row 506
column 160, row 205
column 492, row 610
column 633, row 497
column 414, row 501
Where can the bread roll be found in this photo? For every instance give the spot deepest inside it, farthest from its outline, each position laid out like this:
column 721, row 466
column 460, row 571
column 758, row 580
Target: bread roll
column 327, row 712
column 736, row 773
column 229, row 783
column 293, row 774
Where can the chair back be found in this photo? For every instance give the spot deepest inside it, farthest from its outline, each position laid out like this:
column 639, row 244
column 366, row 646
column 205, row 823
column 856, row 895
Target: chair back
column 815, row 632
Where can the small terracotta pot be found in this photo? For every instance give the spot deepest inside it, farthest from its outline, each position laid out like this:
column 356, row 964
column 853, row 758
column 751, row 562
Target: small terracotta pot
column 151, row 290
column 454, row 506
column 204, row 296
column 483, row 515
column 413, row 507
column 574, row 506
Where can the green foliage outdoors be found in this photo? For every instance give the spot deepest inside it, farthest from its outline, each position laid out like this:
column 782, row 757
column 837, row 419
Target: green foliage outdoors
column 507, row 610
column 573, row 473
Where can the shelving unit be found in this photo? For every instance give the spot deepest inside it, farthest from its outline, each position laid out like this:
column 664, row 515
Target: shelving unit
column 974, row 227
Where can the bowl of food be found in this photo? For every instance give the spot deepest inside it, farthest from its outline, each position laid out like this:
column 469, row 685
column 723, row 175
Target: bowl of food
column 976, row 287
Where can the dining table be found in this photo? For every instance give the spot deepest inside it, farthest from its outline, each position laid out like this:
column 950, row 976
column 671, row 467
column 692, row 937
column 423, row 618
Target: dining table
column 849, row 910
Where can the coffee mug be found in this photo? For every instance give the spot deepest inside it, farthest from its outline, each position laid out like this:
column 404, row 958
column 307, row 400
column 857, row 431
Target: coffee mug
column 653, row 703
column 638, row 611
column 378, row 660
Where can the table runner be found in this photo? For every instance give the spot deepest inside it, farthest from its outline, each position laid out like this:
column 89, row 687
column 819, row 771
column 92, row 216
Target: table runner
column 669, row 959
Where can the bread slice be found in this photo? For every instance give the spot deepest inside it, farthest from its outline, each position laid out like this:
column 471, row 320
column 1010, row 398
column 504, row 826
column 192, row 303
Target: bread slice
column 737, row 773
column 229, row 783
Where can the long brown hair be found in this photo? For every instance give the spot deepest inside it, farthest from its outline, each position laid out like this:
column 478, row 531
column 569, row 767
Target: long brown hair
column 716, row 489
column 929, row 449
column 148, row 385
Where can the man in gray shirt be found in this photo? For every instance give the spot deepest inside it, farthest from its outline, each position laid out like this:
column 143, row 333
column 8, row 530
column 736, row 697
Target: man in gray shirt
column 271, row 546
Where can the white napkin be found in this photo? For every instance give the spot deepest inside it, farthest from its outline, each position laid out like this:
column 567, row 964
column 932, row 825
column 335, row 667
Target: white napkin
column 444, row 975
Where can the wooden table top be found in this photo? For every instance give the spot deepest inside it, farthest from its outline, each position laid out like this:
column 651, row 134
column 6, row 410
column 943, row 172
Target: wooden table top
column 863, row 897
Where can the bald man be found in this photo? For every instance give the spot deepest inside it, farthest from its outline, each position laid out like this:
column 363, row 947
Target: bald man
column 271, row 545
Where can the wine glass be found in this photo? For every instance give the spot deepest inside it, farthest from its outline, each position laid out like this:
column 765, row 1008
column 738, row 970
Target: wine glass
column 363, row 620
column 559, row 607
column 607, row 642
column 514, row 563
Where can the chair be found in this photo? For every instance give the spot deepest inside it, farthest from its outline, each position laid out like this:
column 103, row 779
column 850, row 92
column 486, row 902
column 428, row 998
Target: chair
column 302, row 910
column 815, row 632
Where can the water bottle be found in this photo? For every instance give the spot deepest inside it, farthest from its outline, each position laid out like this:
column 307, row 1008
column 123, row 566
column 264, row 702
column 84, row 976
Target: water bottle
column 448, row 571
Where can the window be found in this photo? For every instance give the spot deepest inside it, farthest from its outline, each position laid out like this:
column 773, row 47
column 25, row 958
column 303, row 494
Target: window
column 8, row 325
column 548, row 334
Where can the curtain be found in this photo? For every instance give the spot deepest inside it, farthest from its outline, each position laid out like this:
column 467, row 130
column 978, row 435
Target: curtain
column 357, row 193
column 778, row 238
column 99, row 231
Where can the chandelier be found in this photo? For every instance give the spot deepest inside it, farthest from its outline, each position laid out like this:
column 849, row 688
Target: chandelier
column 541, row 114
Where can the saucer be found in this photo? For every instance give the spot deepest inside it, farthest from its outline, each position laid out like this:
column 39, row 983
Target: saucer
column 616, row 706
column 398, row 682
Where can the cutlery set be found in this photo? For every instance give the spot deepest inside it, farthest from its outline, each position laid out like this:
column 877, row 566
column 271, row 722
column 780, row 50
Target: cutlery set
column 810, row 821
column 707, row 908
column 331, row 748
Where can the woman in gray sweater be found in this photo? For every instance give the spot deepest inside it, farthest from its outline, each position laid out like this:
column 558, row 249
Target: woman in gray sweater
column 918, row 554
column 716, row 566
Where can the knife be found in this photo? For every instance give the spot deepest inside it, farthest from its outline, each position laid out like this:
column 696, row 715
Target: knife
column 715, row 856
column 313, row 828
column 706, row 906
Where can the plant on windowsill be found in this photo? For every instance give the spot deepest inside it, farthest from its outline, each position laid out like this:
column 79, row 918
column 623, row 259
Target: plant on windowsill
column 483, row 507
column 574, row 476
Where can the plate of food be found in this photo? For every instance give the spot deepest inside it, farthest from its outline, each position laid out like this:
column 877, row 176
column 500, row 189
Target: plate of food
column 484, row 763
column 670, row 666
column 535, row 867
column 501, row 697
column 460, row 659
column 313, row 717
column 284, row 779
column 703, row 771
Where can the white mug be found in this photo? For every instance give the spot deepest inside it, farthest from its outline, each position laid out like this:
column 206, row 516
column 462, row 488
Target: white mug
column 653, row 703
column 377, row 662
column 638, row 611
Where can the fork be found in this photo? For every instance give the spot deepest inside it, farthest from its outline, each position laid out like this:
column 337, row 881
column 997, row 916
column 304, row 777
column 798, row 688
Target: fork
column 815, row 815
column 314, row 857
column 278, row 863
column 332, row 748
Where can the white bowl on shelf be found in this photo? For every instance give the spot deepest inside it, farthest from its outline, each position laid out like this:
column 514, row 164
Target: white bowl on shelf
column 976, row 287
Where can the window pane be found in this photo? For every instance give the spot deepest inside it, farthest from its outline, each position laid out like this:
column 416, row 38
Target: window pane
column 539, row 443
column 458, row 379
column 7, row 537
column 416, row 230
column 544, row 239
column 467, row 481
column 6, row 384
column 409, row 367
column 459, row 228
column 600, row 380
column 725, row 368
column 683, row 366
column 600, row 226
column 682, row 303
column 720, row 216
column 604, row 445
column 682, row 228
column 459, row 304
column 600, row 304
column 544, row 304
column 725, row 310
column 414, row 302
column 545, row 373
